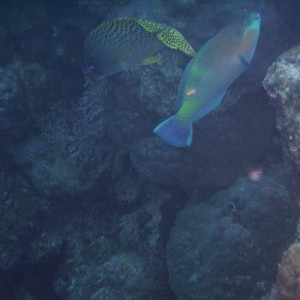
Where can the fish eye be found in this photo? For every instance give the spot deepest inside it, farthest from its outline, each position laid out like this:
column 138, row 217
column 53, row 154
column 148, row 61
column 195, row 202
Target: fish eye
column 240, row 32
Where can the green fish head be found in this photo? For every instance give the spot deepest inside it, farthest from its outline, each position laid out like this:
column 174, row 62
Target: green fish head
column 251, row 24
column 246, row 35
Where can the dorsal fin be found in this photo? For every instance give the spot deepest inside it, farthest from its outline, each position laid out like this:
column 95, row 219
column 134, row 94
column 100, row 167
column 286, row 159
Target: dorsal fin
column 150, row 26
column 173, row 39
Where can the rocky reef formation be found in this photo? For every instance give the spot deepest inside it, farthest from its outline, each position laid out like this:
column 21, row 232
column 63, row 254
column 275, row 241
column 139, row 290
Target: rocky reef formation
column 227, row 247
column 23, row 215
column 282, row 83
column 288, row 277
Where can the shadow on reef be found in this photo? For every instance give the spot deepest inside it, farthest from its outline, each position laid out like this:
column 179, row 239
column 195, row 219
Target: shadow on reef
column 35, row 280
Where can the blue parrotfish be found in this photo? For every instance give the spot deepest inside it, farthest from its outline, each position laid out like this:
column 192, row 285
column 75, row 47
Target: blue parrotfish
column 121, row 44
column 208, row 76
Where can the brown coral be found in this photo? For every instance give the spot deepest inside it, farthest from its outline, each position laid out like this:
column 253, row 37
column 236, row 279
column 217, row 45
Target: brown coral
column 282, row 83
column 288, row 277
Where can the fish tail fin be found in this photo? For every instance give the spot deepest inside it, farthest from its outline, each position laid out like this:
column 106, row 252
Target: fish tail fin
column 174, row 132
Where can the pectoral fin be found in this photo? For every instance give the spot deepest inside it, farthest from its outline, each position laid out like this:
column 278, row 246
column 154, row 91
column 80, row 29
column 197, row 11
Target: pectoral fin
column 244, row 62
column 150, row 60
column 123, row 58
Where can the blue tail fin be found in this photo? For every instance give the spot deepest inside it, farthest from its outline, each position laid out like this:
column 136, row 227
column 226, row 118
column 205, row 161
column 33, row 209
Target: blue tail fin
column 174, row 132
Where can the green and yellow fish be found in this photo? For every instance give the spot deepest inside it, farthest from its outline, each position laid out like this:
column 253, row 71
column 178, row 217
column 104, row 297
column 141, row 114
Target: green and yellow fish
column 208, row 76
column 121, row 44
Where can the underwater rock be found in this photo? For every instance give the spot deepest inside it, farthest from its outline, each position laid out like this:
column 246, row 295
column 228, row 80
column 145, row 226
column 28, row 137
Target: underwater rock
column 26, row 89
column 143, row 228
column 50, row 174
column 88, row 134
column 12, row 105
column 102, row 269
column 107, row 293
column 228, row 246
column 22, row 213
column 282, row 83
column 125, row 127
column 159, row 83
column 126, row 190
column 6, row 53
column 226, row 145
column 128, row 273
column 288, row 277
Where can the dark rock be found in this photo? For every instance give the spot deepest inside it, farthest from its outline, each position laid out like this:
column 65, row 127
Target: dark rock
column 228, row 246
column 50, row 174
column 21, row 213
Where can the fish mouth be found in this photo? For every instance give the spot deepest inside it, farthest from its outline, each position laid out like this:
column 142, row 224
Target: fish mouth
column 258, row 17
column 255, row 16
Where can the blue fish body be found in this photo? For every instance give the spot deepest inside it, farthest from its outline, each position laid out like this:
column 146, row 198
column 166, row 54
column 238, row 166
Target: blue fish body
column 208, row 76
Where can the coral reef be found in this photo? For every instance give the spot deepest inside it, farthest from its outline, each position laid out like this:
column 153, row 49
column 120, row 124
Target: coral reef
column 21, row 214
column 27, row 90
column 98, row 266
column 282, row 83
column 288, row 277
column 126, row 191
column 88, row 196
column 141, row 229
column 50, row 174
column 78, row 132
column 159, row 83
column 227, row 247
column 6, row 52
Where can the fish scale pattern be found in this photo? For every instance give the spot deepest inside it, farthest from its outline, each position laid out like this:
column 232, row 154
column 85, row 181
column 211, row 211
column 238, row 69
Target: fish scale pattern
column 174, row 39
column 150, row 26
